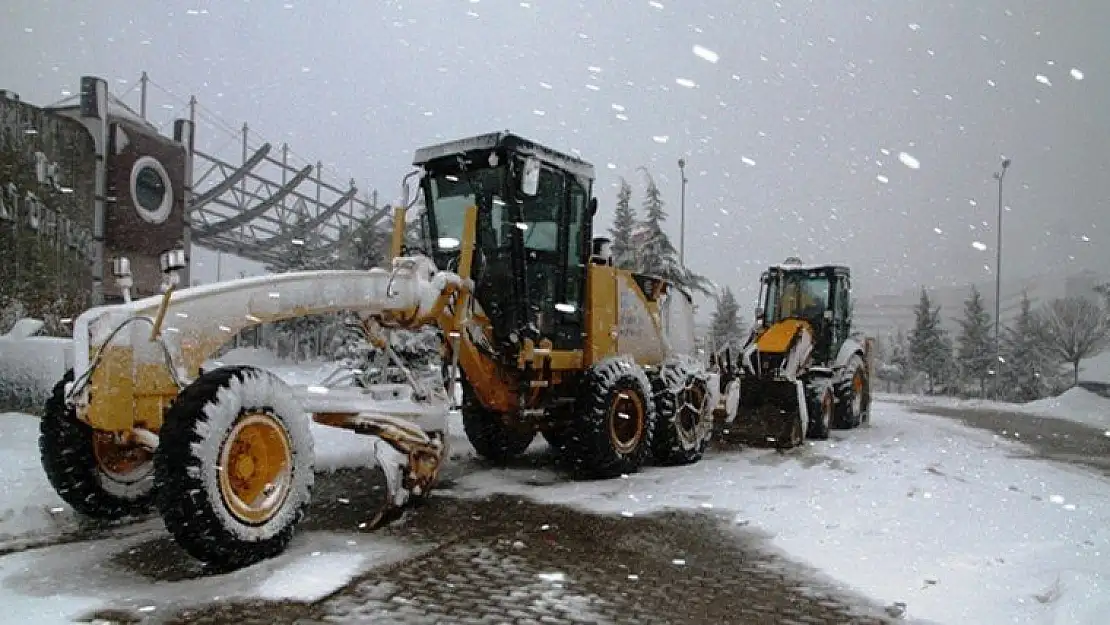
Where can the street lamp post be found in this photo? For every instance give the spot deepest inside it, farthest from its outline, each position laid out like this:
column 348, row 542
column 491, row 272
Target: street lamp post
column 998, row 175
column 682, row 215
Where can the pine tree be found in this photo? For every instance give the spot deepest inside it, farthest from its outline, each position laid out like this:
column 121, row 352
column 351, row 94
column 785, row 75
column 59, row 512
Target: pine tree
column 725, row 328
column 899, row 361
column 657, row 255
column 1026, row 372
column 975, row 355
column 930, row 348
column 624, row 225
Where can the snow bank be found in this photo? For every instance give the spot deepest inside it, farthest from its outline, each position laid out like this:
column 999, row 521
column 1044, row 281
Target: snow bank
column 1076, row 404
column 950, row 520
column 30, row 366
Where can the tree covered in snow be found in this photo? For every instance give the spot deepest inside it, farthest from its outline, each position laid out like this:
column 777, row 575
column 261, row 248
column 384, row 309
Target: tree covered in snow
column 657, row 255
column 1073, row 329
column 894, row 361
column 930, row 347
column 726, row 328
column 624, row 225
column 975, row 350
column 1027, row 371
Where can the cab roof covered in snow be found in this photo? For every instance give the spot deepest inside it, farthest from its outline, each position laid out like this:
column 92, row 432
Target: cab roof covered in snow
column 509, row 141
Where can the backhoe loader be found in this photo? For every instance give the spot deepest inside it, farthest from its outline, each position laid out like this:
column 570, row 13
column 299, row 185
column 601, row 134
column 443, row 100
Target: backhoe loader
column 802, row 370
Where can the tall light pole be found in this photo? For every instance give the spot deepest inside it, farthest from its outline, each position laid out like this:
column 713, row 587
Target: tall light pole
column 682, row 215
column 998, row 175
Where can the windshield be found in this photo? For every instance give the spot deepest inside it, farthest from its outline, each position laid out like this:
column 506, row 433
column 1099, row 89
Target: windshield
column 799, row 296
column 449, row 195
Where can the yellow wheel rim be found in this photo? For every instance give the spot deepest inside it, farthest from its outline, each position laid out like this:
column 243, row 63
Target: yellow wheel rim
column 256, row 468
column 626, row 421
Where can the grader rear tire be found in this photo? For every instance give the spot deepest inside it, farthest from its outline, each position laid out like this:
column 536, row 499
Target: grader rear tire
column 491, row 438
column 234, row 467
column 614, row 423
column 684, row 423
column 96, row 476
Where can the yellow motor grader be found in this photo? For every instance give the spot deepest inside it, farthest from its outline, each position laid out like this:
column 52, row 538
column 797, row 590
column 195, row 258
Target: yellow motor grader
column 802, row 370
column 543, row 333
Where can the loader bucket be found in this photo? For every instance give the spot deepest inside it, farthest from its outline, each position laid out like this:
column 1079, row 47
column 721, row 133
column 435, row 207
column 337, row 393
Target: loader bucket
column 771, row 413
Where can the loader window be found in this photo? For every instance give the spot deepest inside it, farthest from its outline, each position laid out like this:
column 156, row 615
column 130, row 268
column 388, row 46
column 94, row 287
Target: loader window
column 803, row 296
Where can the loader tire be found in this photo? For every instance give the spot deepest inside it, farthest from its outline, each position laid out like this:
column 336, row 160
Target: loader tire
column 490, row 436
column 822, row 413
column 614, row 421
column 98, row 478
column 234, row 467
column 683, row 420
column 854, row 404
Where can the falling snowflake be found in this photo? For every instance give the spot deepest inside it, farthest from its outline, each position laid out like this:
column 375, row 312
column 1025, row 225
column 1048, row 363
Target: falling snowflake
column 883, row 179
column 909, row 161
column 1077, row 73
column 1041, row 78
column 660, row 138
column 706, row 54
column 747, row 161
column 686, row 82
column 979, row 245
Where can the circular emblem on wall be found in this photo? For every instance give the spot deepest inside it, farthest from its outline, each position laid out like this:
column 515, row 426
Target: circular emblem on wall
column 151, row 190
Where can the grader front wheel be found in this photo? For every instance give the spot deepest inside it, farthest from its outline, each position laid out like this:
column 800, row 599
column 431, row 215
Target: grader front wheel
column 96, row 473
column 234, row 467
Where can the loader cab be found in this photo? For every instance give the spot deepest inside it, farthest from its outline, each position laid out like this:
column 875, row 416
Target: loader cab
column 820, row 295
column 532, row 244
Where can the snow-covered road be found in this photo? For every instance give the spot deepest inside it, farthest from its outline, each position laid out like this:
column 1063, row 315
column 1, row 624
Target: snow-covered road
column 960, row 525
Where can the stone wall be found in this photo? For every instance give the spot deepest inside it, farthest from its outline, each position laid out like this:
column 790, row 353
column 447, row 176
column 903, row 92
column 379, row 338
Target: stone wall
column 47, row 192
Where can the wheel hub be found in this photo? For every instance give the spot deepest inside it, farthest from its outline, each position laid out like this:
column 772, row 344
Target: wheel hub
column 626, row 422
column 256, row 468
column 691, row 402
column 118, row 461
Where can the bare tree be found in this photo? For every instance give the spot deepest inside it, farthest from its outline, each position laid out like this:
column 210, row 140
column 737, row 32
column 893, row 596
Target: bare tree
column 1073, row 329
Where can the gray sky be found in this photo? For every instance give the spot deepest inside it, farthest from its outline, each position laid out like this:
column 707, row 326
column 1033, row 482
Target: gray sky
column 786, row 134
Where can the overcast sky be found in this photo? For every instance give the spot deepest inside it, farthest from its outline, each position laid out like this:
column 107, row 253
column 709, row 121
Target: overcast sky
column 792, row 120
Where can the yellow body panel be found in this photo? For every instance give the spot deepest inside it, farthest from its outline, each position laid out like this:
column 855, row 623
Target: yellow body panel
column 620, row 319
column 776, row 339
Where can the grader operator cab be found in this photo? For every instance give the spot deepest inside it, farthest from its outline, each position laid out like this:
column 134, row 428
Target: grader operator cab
column 544, row 333
column 802, row 370
column 557, row 340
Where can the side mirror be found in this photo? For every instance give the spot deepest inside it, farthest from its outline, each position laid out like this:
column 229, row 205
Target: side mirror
column 593, row 207
column 530, row 177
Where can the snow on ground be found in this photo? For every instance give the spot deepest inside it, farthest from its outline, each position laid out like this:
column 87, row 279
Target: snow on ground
column 959, row 524
column 1075, row 404
column 67, row 582
column 955, row 522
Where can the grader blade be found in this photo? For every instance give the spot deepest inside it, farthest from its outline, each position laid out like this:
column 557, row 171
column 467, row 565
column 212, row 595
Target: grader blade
column 413, row 433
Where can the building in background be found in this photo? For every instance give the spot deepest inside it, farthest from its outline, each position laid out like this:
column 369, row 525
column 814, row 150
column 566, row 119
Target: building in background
column 81, row 182
column 885, row 314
